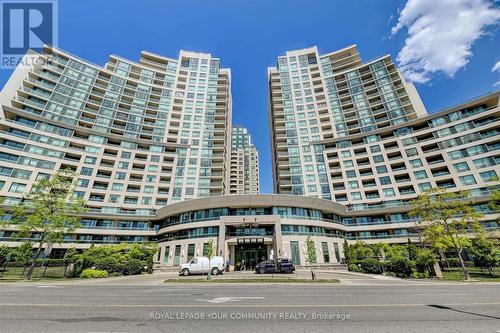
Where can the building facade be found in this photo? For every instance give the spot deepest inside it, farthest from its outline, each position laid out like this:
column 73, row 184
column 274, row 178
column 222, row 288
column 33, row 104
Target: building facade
column 315, row 97
column 373, row 177
column 144, row 137
column 244, row 168
column 139, row 135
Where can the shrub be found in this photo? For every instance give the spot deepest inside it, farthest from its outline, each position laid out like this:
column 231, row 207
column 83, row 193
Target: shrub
column 133, row 267
column 371, row 265
column 455, row 262
column 420, row 275
column 425, row 260
column 360, row 250
column 400, row 265
column 485, row 253
column 50, row 262
column 90, row 273
column 354, row 268
column 122, row 253
column 110, row 264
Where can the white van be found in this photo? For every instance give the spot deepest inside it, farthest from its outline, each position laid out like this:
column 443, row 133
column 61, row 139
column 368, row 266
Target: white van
column 199, row 265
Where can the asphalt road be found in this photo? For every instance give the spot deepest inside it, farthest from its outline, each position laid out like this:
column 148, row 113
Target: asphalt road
column 135, row 307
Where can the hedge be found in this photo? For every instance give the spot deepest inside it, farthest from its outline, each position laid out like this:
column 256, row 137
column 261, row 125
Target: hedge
column 91, row 273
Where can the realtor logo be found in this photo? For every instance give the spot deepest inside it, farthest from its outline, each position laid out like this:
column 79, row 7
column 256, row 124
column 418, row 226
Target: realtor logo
column 26, row 24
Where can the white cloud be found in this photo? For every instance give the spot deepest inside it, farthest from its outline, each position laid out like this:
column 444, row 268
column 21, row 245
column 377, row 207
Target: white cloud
column 496, row 68
column 440, row 35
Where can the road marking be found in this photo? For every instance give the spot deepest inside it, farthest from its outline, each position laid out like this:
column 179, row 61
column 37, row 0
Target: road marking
column 431, row 294
column 237, row 305
column 48, row 286
column 229, row 299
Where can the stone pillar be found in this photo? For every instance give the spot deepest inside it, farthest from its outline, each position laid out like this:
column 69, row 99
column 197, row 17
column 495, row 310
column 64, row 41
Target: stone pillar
column 278, row 245
column 221, row 241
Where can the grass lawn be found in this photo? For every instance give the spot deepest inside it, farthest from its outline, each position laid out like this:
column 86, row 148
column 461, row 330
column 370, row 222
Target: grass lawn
column 475, row 273
column 16, row 273
column 249, row 280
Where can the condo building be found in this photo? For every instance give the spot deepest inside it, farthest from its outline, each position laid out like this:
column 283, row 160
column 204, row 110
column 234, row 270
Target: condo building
column 158, row 160
column 244, row 167
column 140, row 135
column 317, row 97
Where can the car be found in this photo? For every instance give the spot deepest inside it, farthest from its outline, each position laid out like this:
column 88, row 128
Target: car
column 281, row 265
column 200, row 265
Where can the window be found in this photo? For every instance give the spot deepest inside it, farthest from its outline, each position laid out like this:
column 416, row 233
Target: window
column 17, row 188
column 461, row 167
column 424, row 187
column 86, row 171
column 90, row 160
column 117, row 187
column 488, row 176
column 381, row 169
column 386, row 180
column 326, row 254
column 312, row 188
column 356, row 195
column 350, row 174
column 42, row 175
column 346, row 153
column 122, row 165
column 82, row 183
column 388, row 192
column 295, row 252
column 411, row 152
column 467, row 180
column 378, row 159
column 484, row 162
column 348, row 164
column 120, row 175
column 375, row 149
column 126, row 155
column 353, row 184
column 190, row 251
column 416, row 163
column 420, row 174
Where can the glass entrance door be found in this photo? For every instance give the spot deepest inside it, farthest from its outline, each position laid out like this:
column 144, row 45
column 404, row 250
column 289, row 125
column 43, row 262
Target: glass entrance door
column 249, row 255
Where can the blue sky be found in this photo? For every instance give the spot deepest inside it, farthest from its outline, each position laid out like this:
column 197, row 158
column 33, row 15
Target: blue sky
column 248, row 36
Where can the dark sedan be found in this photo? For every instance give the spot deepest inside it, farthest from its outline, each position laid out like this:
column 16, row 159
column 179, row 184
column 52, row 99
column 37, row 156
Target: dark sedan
column 275, row 266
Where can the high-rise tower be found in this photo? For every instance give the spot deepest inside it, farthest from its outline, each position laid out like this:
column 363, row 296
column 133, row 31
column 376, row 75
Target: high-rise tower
column 140, row 135
column 244, row 163
column 317, row 97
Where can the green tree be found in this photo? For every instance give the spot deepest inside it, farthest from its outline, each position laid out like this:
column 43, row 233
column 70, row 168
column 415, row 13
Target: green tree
column 48, row 212
column 69, row 260
column 360, row 250
column 311, row 254
column 5, row 252
column 447, row 219
column 5, row 256
column 210, row 253
column 494, row 203
column 486, row 254
column 310, row 250
column 23, row 254
column 425, row 260
column 347, row 251
column 412, row 250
